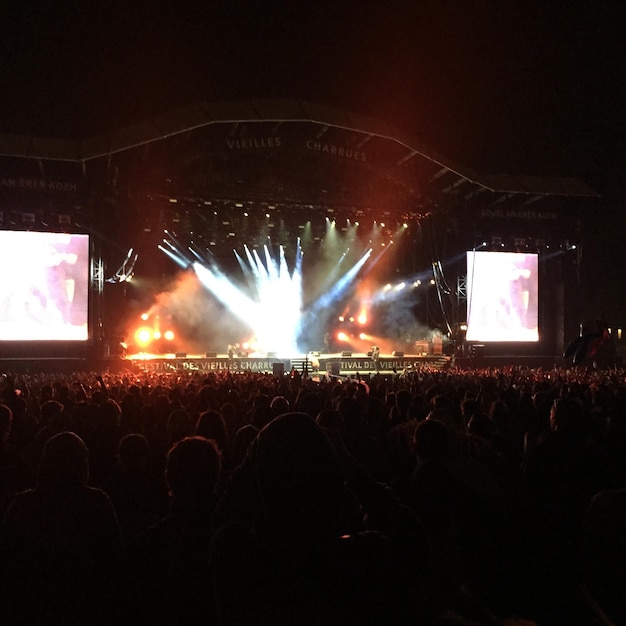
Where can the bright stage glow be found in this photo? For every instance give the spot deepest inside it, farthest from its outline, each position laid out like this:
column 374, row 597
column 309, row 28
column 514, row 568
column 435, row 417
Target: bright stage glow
column 146, row 335
column 267, row 294
column 271, row 302
column 502, row 296
column 143, row 336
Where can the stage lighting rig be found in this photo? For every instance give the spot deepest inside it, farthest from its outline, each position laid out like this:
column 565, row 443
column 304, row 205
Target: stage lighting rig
column 126, row 270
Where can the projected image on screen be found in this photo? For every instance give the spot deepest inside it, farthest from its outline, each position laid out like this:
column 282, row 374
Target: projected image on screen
column 44, row 286
column 502, row 293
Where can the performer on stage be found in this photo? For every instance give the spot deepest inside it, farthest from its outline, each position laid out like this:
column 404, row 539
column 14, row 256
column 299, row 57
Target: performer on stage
column 231, row 355
column 376, row 357
column 327, row 341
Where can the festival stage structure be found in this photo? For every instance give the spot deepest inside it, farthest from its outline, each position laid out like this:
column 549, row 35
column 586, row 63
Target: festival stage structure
column 311, row 220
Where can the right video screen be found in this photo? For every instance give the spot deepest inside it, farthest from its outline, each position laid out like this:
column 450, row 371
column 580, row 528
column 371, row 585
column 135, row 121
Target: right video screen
column 502, row 296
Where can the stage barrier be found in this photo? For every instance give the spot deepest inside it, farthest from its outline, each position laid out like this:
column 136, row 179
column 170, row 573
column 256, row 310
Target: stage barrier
column 332, row 364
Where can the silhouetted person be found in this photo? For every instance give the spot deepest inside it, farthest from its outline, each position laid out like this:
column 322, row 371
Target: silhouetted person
column 16, row 472
column 138, row 494
column 605, row 552
column 290, row 552
column 103, row 443
column 211, row 425
column 361, row 444
column 169, row 575
column 561, row 474
column 61, row 542
column 455, row 515
column 376, row 358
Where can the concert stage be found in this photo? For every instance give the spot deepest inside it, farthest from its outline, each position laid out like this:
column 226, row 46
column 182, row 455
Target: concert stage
column 334, row 364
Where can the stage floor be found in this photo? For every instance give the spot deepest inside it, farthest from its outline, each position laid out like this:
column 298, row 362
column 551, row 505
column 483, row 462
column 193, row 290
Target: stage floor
column 338, row 364
column 332, row 363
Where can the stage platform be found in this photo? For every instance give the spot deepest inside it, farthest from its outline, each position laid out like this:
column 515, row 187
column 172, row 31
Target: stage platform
column 336, row 364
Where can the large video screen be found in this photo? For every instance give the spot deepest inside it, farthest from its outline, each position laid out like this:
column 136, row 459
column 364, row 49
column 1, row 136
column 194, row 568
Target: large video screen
column 44, row 286
column 502, row 296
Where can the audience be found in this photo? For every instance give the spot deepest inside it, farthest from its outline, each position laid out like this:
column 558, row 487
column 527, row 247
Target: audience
column 482, row 496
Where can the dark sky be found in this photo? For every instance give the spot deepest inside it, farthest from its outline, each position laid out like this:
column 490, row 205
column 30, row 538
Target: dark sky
column 517, row 87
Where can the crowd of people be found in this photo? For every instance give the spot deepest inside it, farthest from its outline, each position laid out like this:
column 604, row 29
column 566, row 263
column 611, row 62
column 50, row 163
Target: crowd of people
column 482, row 496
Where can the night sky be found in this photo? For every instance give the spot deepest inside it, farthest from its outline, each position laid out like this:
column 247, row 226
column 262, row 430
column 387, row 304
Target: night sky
column 529, row 87
column 517, row 86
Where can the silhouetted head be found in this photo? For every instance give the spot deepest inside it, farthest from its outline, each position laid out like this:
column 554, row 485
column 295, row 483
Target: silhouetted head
column 64, row 462
column 211, row 425
column 430, row 440
column 481, row 425
column 193, row 468
column 50, row 410
column 330, row 419
column 298, row 475
column 6, row 419
column 567, row 416
column 133, row 451
column 279, row 405
column 351, row 412
column 309, row 402
column 178, row 425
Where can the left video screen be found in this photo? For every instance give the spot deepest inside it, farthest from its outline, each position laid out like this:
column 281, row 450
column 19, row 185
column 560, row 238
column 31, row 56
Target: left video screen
column 44, row 286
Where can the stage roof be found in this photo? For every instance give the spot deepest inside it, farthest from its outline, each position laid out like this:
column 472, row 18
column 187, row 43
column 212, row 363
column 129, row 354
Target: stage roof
column 295, row 155
column 279, row 114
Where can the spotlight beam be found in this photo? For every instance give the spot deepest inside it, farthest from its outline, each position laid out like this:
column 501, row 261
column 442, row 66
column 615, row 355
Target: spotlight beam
column 341, row 285
column 181, row 261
